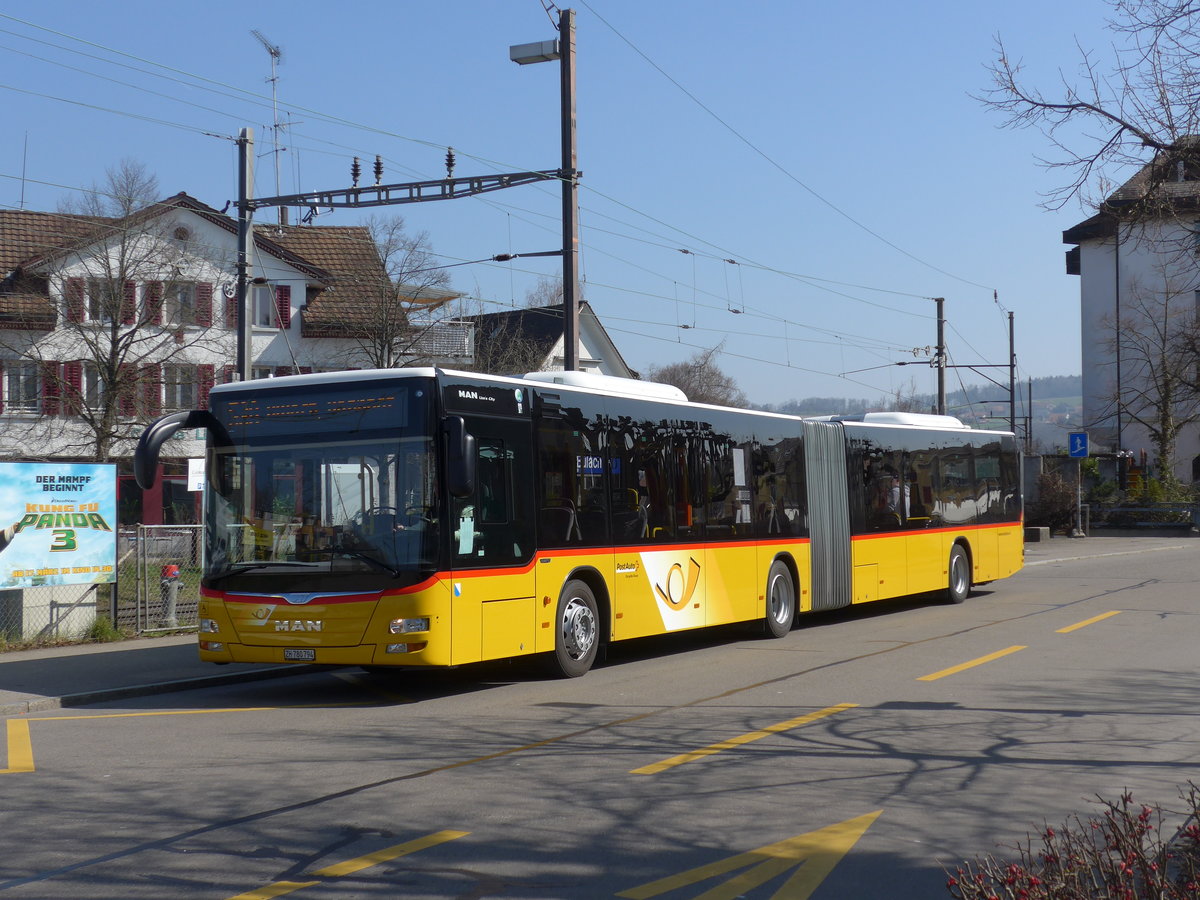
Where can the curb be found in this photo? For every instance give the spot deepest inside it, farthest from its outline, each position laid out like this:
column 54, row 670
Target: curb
column 87, row 698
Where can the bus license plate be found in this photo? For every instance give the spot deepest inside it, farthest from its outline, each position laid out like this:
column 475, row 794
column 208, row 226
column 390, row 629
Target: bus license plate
column 300, row 655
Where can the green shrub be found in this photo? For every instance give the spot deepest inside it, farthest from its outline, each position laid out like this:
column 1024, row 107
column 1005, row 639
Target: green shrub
column 103, row 631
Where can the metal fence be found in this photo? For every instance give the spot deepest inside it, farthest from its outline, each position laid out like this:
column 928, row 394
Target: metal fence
column 158, row 577
column 50, row 612
column 157, row 589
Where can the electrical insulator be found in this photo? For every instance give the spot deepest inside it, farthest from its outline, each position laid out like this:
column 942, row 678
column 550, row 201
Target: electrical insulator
column 449, row 162
column 355, row 172
column 378, row 169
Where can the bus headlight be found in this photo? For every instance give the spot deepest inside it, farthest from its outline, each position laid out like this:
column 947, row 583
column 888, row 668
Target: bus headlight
column 209, row 626
column 214, row 646
column 407, row 626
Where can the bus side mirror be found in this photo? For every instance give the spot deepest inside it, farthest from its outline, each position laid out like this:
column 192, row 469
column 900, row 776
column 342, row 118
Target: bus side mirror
column 161, row 430
column 461, row 454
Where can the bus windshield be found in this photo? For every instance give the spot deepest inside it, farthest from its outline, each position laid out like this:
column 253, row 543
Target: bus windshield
column 322, row 487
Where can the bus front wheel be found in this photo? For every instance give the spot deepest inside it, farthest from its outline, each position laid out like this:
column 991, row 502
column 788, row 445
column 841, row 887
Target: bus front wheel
column 576, row 630
column 781, row 600
column 959, row 567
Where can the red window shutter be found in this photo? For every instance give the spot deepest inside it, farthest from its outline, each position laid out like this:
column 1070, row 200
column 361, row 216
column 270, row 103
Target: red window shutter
column 206, row 376
column 3, row 387
column 281, row 371
column 51, row 388
column 72, row 388
column 283, row 305
column 127, row 385
column 154, row 302
column 306, row 370
column 75, row 299
column 231, row 312
column 129, row 304
column 204, row 304
column 152, row 389
column 228, row 374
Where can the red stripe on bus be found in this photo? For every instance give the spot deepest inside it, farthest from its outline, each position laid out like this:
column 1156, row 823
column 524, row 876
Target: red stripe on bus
column 957, row 529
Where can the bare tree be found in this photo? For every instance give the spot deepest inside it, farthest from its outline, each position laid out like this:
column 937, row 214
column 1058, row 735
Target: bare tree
column 502, row 345
column 406, row 302
column 548, row 291
column 906, row 398
column 1157, row 339
column 701, row 379
column 1142, row 105
column 124, row 281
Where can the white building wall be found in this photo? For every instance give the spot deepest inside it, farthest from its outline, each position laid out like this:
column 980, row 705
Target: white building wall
column 1113, row 274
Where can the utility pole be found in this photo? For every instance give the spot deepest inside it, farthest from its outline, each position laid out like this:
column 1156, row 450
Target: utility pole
column 245, row 247
column 940, row 358
column 570, row 192
column 1012, row 377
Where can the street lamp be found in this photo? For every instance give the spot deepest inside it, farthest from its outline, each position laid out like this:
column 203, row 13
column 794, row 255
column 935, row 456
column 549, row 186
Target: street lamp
column 563, row 50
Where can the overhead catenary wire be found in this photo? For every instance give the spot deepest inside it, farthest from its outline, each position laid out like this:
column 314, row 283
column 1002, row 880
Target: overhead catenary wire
column 786, row 172
column 699, row 290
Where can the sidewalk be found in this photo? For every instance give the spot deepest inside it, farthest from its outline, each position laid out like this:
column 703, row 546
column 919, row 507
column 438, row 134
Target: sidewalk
column 82, row 674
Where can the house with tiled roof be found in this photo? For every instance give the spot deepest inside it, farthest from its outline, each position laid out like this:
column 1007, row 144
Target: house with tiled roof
column 515, row 341
column 105, row 323
column 1139, row 289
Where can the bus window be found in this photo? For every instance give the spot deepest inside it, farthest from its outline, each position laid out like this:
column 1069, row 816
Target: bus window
column 887, row 494
column 494, row 525
column 955, row 486
column 779, row 489
column 918, row 481
column 642, row 480
column 572, row 506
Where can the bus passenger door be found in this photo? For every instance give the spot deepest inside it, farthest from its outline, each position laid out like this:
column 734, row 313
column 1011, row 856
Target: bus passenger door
column 491, row 536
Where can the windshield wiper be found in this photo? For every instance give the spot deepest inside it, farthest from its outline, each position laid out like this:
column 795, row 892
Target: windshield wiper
column 238, row 568
column 358, row 554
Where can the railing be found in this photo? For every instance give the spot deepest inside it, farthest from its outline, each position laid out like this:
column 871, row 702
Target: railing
column 1168, row 516
column 160, row 590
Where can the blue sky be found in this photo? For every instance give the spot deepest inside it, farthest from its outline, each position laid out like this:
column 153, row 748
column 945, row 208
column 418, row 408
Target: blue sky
column 851, row 175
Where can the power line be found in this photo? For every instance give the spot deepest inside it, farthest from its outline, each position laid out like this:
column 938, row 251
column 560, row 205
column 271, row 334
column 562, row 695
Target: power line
column 841, row 212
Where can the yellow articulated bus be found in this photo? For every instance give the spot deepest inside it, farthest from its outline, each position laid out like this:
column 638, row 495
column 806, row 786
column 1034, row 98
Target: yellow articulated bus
column 423, row 517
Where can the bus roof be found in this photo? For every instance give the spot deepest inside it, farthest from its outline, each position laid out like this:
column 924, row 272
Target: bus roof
column 610, row 384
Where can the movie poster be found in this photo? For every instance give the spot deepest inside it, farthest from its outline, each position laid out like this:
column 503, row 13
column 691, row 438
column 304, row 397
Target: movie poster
column 57, row 524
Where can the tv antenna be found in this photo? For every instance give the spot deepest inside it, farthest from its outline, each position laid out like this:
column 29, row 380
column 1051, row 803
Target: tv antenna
column 276, row 54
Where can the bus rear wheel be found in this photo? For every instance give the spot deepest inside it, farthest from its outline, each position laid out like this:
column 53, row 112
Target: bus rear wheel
column 959, row 568
column 576, row 630
column 781, row 600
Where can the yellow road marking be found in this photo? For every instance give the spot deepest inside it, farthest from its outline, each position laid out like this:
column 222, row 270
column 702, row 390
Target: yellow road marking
column 20, row 749
column 278, row 889
column 165, row 712
column 814, row 855
column 738, row 741
column 1092, row 621
column 970, row 665
column 350, row 866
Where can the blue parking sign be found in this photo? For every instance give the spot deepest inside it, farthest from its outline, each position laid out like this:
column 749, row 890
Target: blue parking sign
column 1077, row 444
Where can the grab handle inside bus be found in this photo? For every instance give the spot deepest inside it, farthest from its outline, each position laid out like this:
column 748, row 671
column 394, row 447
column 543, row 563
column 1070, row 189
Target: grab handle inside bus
column 460, row 457
column 161, row 430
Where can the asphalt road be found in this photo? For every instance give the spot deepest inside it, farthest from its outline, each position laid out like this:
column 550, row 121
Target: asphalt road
column 855, row 758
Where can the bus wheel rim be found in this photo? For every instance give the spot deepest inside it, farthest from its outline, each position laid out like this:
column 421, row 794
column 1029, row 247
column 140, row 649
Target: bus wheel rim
column 959, row 574
column 778, row 599
column 578, row 629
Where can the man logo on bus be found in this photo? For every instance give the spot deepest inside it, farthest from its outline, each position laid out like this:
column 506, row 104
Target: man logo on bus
column 679, row 590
